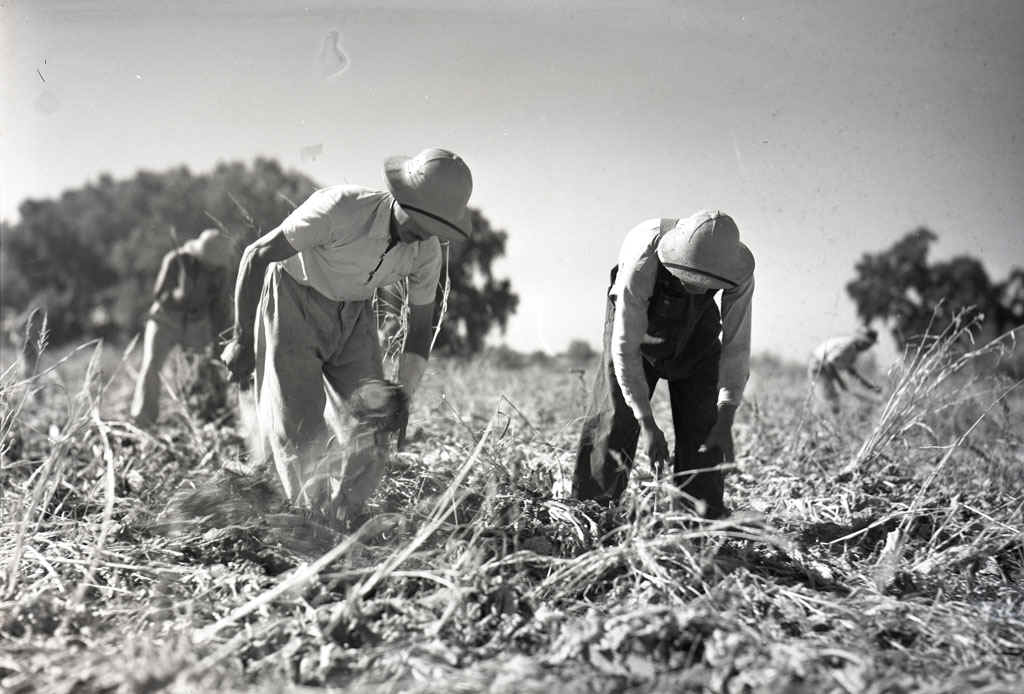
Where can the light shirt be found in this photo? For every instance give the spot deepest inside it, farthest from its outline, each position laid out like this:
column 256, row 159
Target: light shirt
column 634, row 284
column 342, row 235
column 838, row 352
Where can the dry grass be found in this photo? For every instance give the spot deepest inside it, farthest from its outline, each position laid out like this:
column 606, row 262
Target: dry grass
column 882, row 552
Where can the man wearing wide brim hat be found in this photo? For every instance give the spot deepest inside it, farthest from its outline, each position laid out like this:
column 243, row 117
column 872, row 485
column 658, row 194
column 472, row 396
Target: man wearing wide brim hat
column 304, row 321
column 191, row 308
column 832, row 358
column 662, row 322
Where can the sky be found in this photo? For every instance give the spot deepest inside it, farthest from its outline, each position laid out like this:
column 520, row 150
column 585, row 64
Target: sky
column 826, row 129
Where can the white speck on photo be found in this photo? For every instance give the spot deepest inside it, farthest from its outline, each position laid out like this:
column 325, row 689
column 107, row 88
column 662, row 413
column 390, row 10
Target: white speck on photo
column 311, row 152
column 332, row 60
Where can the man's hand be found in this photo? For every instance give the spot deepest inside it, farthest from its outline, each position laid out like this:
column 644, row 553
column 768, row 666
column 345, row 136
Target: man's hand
column 720, row 436
column 241, row 361
column 654, row 444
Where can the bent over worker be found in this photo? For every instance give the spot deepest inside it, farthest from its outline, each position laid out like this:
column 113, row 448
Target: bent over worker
column 191, row 307
column 304, row 319
column 837, row 355
column 662, row 322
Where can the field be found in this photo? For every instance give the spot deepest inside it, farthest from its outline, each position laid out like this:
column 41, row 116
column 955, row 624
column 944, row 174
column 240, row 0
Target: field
column 880, row 552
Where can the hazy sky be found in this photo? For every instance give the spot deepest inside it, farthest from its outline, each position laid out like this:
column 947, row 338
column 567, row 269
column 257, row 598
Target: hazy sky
column 825, row 129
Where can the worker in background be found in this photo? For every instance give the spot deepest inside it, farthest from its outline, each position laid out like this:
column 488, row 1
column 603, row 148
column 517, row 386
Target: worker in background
column 834, row 357
column 191, row 308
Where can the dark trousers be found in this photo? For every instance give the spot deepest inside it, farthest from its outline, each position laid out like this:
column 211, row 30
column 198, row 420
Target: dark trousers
column 608, row 441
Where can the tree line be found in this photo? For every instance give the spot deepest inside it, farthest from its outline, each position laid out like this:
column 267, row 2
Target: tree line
column 90, row 256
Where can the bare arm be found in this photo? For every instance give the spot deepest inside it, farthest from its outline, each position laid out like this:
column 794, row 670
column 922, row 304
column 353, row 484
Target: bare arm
column 413, row 362
column 422, row 292
column 269, row 248
column 863, row 381
column 417, row 347
column 421, row 319
column 163, row 277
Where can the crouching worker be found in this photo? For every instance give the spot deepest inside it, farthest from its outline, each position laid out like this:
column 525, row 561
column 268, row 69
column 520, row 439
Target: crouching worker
column 191, row 307
column 304, row 319
column 662, row 322
column 834, row 356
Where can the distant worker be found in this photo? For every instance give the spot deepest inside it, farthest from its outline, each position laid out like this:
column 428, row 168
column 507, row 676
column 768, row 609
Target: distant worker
column 191, row 307
column 304, row 319
column 836, row 355
column 662, row 322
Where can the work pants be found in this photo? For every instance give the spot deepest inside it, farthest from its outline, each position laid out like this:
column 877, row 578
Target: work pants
column 608, row 441
column 165, row 328
column 311, row 354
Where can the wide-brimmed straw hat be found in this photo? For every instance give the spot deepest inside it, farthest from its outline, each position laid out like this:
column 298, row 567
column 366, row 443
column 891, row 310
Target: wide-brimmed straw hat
column 433, row 188
column 213, row 247
column 704, row 250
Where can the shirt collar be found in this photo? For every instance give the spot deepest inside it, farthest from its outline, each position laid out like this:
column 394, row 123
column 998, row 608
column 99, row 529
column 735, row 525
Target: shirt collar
column 380, row 228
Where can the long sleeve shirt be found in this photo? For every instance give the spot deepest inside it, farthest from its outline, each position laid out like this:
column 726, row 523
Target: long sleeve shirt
column 633, row 287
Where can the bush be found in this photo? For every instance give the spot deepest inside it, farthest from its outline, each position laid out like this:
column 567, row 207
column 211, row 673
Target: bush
column 504, row 357
column 580, row 352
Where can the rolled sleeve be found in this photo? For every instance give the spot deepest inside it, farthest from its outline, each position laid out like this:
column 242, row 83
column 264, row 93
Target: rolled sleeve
column 309, row 224
column 426, row 273
column 734, row 366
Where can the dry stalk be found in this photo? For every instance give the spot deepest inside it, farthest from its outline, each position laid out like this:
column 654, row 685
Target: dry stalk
column 446, row 289
column 394, row 303
column 574, row 576
column 889, row 558
column 108, row 510
column 918, row 390
column 445, row 506
column 50, row 474
column 296, row 580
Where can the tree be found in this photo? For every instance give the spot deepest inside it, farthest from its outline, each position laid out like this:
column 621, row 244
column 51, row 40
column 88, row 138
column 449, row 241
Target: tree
column 899, row 286
column 92, row 254
column 1010, row 305
column 478, row 301
column 580, row 352
column 99, row 247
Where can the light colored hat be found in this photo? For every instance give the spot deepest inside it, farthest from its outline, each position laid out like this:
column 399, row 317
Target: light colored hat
column 704, row 250
column 212, row 247
column 433, row 188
